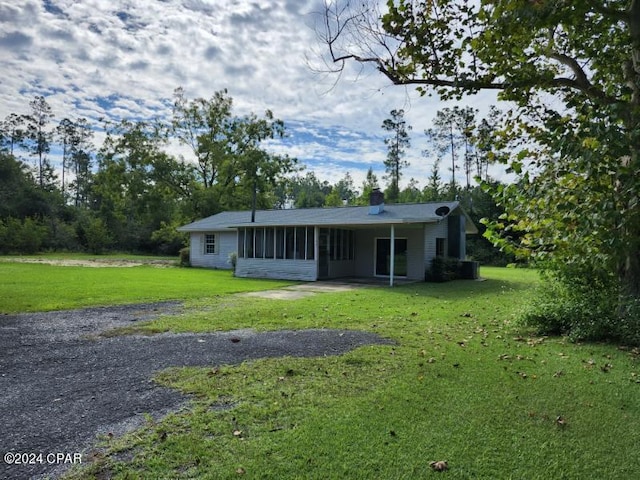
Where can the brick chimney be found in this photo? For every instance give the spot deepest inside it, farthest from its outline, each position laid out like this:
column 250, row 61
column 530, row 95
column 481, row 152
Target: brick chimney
column 376, row 202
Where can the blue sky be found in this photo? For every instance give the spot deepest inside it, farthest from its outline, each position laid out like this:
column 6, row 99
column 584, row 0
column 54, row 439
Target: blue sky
column 123, row 58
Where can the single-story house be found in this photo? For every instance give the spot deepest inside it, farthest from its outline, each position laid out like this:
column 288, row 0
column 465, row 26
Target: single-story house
column 395, row 241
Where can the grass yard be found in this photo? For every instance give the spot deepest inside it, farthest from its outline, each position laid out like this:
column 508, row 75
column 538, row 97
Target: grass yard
column 33, row 287
column 463, row 384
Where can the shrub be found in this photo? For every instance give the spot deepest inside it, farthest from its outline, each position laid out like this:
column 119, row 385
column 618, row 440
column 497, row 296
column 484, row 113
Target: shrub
column 184, row 256
column 21, row 236
column 62, row 237
column 167, row 240
column 97, row 236
column 443, row 269
column 629, row 321
column 233, row 260
column 584, row 307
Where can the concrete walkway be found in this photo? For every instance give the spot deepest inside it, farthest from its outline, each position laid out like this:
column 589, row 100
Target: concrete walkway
column 295, row 292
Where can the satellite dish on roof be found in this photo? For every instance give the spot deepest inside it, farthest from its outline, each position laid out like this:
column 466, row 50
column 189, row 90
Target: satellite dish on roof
column 442, row 211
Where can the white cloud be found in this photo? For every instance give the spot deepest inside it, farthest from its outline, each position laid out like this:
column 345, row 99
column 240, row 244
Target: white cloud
column 123, row 59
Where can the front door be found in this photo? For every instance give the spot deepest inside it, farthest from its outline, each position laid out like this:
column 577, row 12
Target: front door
column 383, row 257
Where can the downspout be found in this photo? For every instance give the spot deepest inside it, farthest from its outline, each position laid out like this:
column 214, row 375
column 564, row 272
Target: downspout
column 393, row 254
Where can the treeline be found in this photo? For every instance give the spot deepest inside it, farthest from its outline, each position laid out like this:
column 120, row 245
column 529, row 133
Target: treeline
column 130, row 194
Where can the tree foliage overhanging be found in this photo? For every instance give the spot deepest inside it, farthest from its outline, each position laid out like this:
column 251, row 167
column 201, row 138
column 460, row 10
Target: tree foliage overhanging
column 571, row 72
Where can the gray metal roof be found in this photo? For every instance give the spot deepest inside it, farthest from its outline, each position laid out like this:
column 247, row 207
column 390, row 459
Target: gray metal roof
column 337, row 216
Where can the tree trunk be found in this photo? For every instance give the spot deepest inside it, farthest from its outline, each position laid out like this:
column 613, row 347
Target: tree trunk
column 254, row 195
column 629, row 264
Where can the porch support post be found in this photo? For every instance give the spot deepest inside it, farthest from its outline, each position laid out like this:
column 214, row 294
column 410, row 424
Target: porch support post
column 316, row 249
column 393, row 254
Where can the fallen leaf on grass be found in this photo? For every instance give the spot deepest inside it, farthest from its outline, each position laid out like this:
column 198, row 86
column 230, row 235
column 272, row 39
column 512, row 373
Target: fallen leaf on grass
column 560, row 421
column 241, row 471
column 439, row 466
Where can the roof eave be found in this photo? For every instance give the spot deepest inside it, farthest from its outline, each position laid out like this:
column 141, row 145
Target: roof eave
column 400, row 221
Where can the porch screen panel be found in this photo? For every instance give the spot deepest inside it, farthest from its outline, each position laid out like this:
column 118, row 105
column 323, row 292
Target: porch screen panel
column 248, row 243
column 279, row 242
column 289, row 242
column 241, row 243
column 311, row 244
column 269, row 241
column 300, row 243
column 259, row 242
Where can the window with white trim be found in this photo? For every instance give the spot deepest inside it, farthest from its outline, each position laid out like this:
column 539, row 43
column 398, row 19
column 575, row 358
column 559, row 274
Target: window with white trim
column 210, row 247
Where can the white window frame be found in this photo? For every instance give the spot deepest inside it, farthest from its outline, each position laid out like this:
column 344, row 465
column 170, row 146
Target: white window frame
column 206, row 244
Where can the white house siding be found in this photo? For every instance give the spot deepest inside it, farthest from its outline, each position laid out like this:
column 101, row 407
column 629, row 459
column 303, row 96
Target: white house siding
column 277, row 268
column 415, row 251
column 225, row 244
column 431, row 232
column 365, row 250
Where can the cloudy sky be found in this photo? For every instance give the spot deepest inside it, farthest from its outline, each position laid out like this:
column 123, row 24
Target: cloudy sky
column 123, row 58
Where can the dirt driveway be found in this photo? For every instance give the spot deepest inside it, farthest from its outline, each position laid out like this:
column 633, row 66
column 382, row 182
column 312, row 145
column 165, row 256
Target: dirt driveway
column 62, row 386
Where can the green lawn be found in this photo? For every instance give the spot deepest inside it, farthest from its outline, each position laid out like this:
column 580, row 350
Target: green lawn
column 463, row 384
column 28, row 287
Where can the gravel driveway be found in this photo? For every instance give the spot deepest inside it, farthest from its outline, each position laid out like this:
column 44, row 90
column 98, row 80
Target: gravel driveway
column 61, row 385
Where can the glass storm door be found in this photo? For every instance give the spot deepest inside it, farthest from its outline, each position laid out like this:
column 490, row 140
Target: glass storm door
column 383, row 257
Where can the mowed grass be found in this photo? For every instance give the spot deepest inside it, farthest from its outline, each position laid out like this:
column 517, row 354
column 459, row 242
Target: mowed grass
column 463, row 383
column 28, row 287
